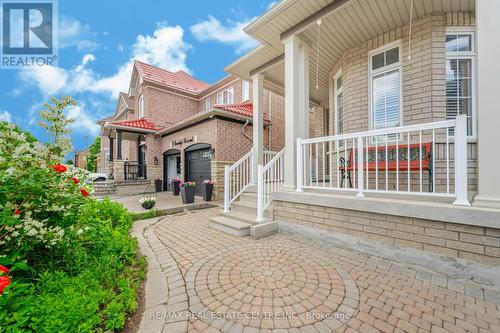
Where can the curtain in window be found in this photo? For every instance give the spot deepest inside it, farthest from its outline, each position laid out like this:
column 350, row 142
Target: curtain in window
column 386, row 99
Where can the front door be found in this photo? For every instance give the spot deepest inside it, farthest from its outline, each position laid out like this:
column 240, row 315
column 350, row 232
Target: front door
column 171, row 169
column 141, row 157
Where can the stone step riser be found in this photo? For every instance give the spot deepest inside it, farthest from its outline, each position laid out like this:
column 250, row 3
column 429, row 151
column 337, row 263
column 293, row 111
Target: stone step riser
column 250, row 210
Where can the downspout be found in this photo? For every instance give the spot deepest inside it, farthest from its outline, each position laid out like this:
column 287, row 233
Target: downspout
column 244, row 132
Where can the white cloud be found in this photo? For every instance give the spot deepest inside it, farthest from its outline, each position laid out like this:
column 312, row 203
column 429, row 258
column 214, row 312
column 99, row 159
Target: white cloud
column 83, row 123
column 5, row 116
column 49, row 79
column 165, row 48
column 232, row 33
column 73, row 33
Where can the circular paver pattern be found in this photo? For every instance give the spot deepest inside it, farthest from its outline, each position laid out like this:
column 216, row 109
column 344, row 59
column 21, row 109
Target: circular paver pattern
column 270, row 286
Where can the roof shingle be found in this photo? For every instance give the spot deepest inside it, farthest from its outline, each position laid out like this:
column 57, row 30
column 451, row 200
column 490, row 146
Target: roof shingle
column 137, row 123
column 244, row 109
column 179, row 80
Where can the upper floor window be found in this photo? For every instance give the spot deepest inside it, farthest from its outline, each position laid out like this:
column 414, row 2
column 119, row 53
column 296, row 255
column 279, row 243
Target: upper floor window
column 385, row 87
column 245, row 90
column 141, row 106
column 460, row 72
column 208, row 104
column 226, row 96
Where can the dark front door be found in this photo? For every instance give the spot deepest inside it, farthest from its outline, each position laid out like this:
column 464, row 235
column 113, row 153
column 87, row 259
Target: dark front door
column 198, row 166
column 141, row 156
column 171, row 167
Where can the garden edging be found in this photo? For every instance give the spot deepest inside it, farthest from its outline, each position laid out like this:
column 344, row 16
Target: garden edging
column 166, row 301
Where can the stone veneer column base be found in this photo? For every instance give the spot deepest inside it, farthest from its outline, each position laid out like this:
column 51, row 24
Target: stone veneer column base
column 218, row 178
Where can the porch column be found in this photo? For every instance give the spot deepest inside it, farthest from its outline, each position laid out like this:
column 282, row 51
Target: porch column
column 118, row 144
column 296, row 99
column 258, row 123
column 111, row 148
column 488, row 109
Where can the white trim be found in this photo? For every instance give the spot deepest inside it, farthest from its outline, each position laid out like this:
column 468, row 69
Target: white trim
column 371, row 73
column 472, row 56
column 336, row 92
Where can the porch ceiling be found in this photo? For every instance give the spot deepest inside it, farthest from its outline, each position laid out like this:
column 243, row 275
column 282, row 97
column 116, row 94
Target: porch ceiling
column 343, row 28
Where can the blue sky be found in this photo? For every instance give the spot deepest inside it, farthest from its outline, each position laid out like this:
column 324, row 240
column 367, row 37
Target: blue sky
column 98, row 41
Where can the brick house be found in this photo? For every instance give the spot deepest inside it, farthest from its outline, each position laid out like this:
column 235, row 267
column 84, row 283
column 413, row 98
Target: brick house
column 172, row 125
column 403, row 147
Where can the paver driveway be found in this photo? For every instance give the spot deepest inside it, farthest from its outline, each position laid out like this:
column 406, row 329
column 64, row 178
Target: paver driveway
column 288, row 283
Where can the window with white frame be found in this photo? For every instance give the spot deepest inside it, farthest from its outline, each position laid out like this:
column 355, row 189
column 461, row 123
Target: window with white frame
column 226, row 96
column 460, row 76
column 339, row 114
column 245, row 90
column 385, row 87
column 141, row 106
column 208, row 104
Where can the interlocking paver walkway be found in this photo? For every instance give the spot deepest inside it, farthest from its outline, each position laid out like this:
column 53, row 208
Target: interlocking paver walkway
column 289, row 283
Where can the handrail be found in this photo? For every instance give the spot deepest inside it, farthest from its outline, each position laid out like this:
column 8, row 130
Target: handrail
column 319, row 160
column 237, row 178
column 270, row 177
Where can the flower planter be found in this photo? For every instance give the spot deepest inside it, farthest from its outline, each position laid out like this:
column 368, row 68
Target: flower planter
column 158, row 185
column 175, row 187
column 206, row 191
column 187, row 194
column 148, row 205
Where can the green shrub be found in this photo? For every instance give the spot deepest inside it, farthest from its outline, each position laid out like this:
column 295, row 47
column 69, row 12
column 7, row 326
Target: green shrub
column 73, row 265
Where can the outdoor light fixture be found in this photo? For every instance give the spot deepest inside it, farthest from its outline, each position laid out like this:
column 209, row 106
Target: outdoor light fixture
column 155, row 160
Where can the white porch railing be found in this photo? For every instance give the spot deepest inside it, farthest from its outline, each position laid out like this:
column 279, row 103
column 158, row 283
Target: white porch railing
column 397, row 160
column 269, row 178
column 268, row 156
column 237, row 178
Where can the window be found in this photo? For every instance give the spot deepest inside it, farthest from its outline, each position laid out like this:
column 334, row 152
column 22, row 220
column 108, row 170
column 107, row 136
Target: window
column 141, row 106
column 226, row 96
column 245, row 90
column 385, row 88
column 208, row 104
column 339, row 114
column 459, row 77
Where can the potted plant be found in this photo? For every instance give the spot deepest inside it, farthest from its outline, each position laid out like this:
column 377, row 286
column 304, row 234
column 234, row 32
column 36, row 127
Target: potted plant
column 207, row 189
column 188, row 189
column 158, row 185
column 176, row 183
column 147, row 203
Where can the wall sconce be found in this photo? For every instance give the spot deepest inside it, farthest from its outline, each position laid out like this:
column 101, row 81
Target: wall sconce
column 155, row 160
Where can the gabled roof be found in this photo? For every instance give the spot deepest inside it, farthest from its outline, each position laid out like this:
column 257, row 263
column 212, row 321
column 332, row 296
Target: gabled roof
column 244, row 109
column 129, row 102
column 179, row 80
column 137, row 123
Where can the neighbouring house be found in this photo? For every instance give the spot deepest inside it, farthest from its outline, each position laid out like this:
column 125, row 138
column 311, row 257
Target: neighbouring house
column 80, row 159
column 405, row 148
column 170, row 124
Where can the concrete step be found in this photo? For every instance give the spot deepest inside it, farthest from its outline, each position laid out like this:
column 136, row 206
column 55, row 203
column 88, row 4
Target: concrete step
column 249, row 208
column 247, row 218
column 230, row 226
column 250, row 197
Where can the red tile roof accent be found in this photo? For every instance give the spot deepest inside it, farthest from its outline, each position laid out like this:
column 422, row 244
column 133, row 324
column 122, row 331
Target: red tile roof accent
column 137, row 123
column 244, row 109
column 179, row 80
